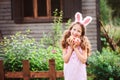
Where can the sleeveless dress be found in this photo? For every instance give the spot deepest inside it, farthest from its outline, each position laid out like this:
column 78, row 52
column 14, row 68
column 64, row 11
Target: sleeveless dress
column 75, row 69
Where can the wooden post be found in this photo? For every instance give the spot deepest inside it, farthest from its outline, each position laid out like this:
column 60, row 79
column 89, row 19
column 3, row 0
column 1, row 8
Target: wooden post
column 1, row 37
column 26, row 70
column 2, row 77
column 52, row 71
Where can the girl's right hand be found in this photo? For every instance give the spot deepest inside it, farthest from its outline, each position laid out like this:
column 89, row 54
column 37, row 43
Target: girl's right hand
column 70, row 41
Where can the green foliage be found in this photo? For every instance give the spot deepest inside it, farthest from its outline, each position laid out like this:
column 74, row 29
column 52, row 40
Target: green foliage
column 57, row 27
column 109, row 16
column 104, row 65
column 113, row 33
column 53, row 37
column 115, row 5
column 116, row 21
column 19, row 47
column 104, row 42
column 110, row 12
column 105, row 12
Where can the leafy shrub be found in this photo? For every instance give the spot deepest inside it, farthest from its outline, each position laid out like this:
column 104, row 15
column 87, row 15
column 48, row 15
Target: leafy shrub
column 105, row 12
column 115, row 7
column 104, row 65
column 20, row 47
column 51, row 39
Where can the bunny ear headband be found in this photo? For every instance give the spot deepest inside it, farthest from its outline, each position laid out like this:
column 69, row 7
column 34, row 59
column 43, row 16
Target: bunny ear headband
column 85, row 21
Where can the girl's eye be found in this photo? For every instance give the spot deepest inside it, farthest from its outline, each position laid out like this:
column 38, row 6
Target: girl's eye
column 78, row 31
column 74, row 29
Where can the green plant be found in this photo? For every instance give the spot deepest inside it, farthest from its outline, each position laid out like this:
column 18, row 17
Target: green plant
column 110, row 22
column 20, row 47
column 116, row 21
column 53, row 37
column 105, row 12
column 115, row 7
column 113, row 33
column 104, row 65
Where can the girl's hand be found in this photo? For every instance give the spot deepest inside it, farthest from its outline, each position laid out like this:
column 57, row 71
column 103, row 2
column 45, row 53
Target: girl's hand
column 70, row 41
column 77, row 42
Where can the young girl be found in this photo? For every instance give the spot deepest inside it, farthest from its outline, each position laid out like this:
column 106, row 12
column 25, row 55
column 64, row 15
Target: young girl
column 76, row 49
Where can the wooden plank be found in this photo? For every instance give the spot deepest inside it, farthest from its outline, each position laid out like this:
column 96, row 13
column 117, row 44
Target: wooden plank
column 26, row 71
column 48, row 8
column 2, row 22
column 89, row 4
column 88, row 1
column 1, row 70
column 5, row 14
column 89, row 8
column 5, row 18
column 40, row 74
column 13, row 75
column 59, row 74
column 5, row 6
column 1, row 36
column 35, row 8
column 5, row 2
column 92, row 34
column 52, row 71
column 26, row 74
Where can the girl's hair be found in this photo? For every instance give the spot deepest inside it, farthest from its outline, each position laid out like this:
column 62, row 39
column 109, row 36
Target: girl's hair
column 85, row 44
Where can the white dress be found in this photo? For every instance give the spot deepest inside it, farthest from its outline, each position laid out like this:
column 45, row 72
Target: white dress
column 74, row 69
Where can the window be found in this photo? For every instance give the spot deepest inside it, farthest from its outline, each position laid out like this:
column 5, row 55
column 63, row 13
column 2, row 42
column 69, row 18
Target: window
column 42, row 10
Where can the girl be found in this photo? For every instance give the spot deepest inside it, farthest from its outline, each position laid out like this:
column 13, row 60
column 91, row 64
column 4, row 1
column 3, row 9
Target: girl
column 76, row 49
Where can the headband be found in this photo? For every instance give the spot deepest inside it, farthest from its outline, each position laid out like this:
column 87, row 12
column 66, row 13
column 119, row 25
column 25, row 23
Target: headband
column 79, row 18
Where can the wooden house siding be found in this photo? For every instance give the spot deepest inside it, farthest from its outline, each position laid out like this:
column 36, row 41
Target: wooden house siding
column 8, row 27
column 89, row 7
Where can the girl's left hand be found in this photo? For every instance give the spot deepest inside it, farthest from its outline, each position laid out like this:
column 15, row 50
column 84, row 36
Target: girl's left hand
column 77, row 42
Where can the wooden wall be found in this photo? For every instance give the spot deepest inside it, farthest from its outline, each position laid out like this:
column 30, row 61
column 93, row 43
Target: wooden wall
column 8, row 27
column 90, row 8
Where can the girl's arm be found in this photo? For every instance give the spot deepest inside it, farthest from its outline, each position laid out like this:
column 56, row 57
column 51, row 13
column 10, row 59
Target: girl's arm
column 82, row 56
column 67, row 54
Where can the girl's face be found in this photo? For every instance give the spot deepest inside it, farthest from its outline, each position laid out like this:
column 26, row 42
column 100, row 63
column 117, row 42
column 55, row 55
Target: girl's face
column 76, row 31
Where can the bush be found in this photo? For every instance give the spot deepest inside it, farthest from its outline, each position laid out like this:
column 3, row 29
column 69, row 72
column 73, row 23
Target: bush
column 19, row 47
column 105, row 12
column 51, row 39
column 104, row 65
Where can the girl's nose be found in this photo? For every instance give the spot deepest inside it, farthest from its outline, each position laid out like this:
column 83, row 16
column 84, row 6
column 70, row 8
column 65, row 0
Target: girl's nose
column 75, row 33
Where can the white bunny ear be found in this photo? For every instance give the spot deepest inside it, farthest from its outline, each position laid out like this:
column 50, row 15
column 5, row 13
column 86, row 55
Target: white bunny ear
column 78, row 17
column 87, row 20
